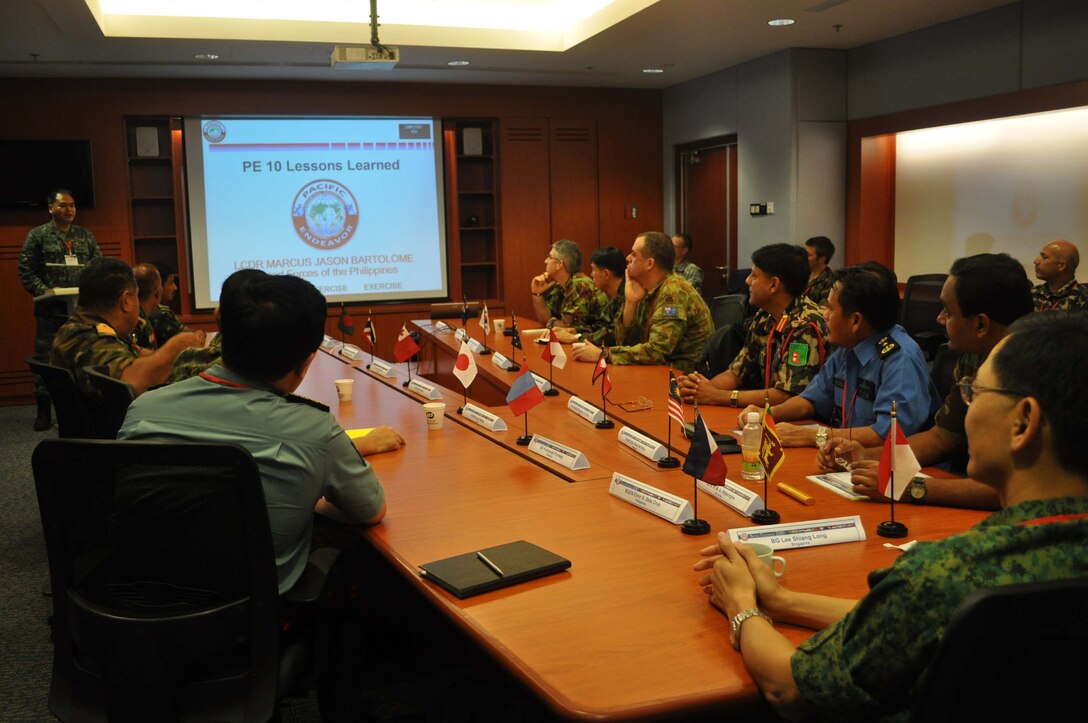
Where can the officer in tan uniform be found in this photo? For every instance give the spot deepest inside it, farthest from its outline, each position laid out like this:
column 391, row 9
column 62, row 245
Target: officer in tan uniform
column 664, row 320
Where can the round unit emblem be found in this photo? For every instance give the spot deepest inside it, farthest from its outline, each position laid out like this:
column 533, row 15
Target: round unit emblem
column 325, row 214
column 214, row 131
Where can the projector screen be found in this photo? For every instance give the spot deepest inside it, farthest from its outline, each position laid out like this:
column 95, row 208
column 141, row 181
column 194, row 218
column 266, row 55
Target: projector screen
column 353, row 205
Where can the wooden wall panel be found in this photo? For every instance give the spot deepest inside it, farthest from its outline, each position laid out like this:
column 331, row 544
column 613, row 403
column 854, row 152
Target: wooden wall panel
column 525, row 208
column 627, row 152
column 572, row 158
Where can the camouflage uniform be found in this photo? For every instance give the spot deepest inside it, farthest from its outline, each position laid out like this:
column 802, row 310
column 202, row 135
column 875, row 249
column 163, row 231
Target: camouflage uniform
column 579, row 303
column 1071, row 297
column 144, row 335
column 195, row 359
column 604, row 334
column 165, row 323
column 42, row 267
column 87, row 339
column 950, row 417
column 798, row 349
column 820, row 287
column 867, row 666
column 671, row 325
column 690, row 273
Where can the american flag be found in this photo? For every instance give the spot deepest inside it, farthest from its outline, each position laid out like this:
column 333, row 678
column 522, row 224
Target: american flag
column 676, row 404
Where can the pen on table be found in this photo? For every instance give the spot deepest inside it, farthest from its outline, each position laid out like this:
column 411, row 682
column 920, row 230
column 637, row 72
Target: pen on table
column 494, row 568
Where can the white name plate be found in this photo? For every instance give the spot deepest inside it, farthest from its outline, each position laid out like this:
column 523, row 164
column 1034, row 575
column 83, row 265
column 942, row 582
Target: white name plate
column 485, row 419
column 543, row 384
column 441, row 326
column 476, row 346
column 668, row 506
column 585, row 410
column 424, row 389
column 501, row 362
column 646, row 446
column 382, row 368
column 810, row 533
column 351, row 351
column 459, row 335
column 567, row 456
column 741, row 499
column 328, row 343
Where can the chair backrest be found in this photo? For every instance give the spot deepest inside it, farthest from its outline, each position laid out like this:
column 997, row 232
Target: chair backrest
column 111, row 406
column 721, row 349
column 1009, row 654
column 921, row 304
column 728, row 309
column 73, row 417
column 736, row 283
column 165, row 601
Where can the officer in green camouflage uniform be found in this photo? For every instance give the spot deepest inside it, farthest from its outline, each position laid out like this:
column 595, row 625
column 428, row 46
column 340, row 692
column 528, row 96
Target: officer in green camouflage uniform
column 867, row 659
column 563, row 295
column 821, row 279
column 87, row 339
column 157, row 322
column 607, row 268
column 165, row 323
column 195, row 359
column 52, row 256
column 663, row 320
column 788, row 328
column 1056, row 265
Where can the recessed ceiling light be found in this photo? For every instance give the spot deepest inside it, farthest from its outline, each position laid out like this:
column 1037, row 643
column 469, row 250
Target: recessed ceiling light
column 458, row 63
column 206, row 56
column 779, row 22
column 653, row 70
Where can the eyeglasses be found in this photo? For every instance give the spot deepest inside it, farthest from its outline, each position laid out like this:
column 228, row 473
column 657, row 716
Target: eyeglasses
column 969, row 390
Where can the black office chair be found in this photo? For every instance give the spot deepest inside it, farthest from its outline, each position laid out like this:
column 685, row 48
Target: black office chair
column 728, row 309
column 1009, row 653
column 165, row 602
column 73, row 417
column 918, row 311
column 736, row 283
column 110, row 401
column 720, row 349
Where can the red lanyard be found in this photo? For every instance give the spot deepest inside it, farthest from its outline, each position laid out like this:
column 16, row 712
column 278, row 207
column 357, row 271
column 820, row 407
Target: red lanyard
column 1059, row 300
column 1053, row 518
column 223, row 382
column 845, row 416
column 68, row 243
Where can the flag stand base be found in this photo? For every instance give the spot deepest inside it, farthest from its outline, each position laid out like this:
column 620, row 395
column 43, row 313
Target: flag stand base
column 765, row 517
column 514, row 368
column 668, row 463
column 695, row 527
column 551, row 393
column 523, row 440
column 605, row 424
column 461, row 410
column 485, row 351
column 404, row 384
column 891, row 528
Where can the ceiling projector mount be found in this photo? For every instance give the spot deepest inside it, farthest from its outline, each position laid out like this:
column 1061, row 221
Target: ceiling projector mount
column 366, row 57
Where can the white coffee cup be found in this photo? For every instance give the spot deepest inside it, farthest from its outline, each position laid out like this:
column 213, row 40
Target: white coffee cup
column 771, row 560
column 344, row 388
column 435, row 412
column 500, row 325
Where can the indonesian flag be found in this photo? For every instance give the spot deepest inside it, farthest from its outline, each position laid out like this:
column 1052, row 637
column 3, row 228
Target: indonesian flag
column 485, row 320
column 705, row 461
column 369, row 333
column 771, row 453
column 601, row 370
column 553, row 353
column 898, row 459
column 524, row 394
column 406, row 346
column 465, row 366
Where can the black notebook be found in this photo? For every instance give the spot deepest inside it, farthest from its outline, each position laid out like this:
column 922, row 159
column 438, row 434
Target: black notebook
column 467, row 575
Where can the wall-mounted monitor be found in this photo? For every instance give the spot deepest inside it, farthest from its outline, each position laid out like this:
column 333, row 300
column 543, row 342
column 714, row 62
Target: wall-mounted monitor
column 34, row 168
column 353, row 204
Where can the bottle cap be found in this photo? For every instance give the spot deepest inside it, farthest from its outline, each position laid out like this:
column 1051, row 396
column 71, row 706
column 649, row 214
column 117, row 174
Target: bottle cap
column 753, row 417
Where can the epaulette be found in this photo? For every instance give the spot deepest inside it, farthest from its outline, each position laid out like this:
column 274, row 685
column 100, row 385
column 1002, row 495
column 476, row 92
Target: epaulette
column 104, row 329
column 886, row 346
column 297, row 399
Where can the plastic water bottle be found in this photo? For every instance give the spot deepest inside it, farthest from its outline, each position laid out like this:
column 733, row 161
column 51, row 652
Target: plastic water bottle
column 750, row 466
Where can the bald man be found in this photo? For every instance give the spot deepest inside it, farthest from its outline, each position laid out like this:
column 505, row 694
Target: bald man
column 1056, row 267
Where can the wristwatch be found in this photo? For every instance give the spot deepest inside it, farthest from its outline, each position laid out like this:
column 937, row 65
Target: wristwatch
column 733, row 398
column 738, row 620
column 822, row 435
column 917, row 490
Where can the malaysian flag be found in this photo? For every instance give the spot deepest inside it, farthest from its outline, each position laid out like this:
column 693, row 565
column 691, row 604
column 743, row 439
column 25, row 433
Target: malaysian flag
column 676, row 404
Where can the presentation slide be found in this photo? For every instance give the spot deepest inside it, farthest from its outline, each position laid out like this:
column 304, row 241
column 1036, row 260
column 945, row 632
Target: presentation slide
column 353, row 205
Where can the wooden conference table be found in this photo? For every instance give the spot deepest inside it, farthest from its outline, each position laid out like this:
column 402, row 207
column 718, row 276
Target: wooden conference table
column 626, row 632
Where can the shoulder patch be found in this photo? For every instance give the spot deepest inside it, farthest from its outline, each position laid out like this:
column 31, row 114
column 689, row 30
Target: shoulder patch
column 104, row 329
column 670, row 311
column 296, row 399
column 797, row 354
column 886, row 346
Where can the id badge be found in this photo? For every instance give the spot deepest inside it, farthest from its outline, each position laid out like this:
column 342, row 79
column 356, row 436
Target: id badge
column 71, row 260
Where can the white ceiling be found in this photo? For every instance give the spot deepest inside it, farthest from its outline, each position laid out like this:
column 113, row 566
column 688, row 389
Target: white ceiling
column 686, row 38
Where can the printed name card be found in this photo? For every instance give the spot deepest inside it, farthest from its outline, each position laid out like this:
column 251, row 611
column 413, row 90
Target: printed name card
column 668, row 506
column 741, row 499
column 459, row 335
column 542, row 383
column 328, row 343
column 476, row 346
column 382, row 368
column 567, row 456
column 501, row 362
column 646, row 446
column 837, row 482
column 485, row 419
column 351, row 351
column 811, row 533
column 424, row 389
column 585, row 410
column 441, row 326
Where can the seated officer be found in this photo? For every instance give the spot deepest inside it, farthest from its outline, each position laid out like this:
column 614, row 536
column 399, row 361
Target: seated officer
column 681, row 246
column 786, row 342
column 1023, row 424
column 98, row 333
column 876, row 363
column 664, row 321
column 161, row 322
column 1056, row 266
column 820, row 251
column 982, row 296
column 563, row 295
column 607, row 268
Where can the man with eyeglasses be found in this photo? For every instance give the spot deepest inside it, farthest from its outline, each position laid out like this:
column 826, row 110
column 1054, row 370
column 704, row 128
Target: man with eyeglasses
column 563, row 295
column 1024, row 427
column 982, row 296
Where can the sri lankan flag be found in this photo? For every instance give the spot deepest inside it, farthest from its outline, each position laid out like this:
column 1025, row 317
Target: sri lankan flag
column 770, row 446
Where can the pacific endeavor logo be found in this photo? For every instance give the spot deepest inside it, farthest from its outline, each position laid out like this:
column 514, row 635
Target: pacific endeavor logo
column 325, row 214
